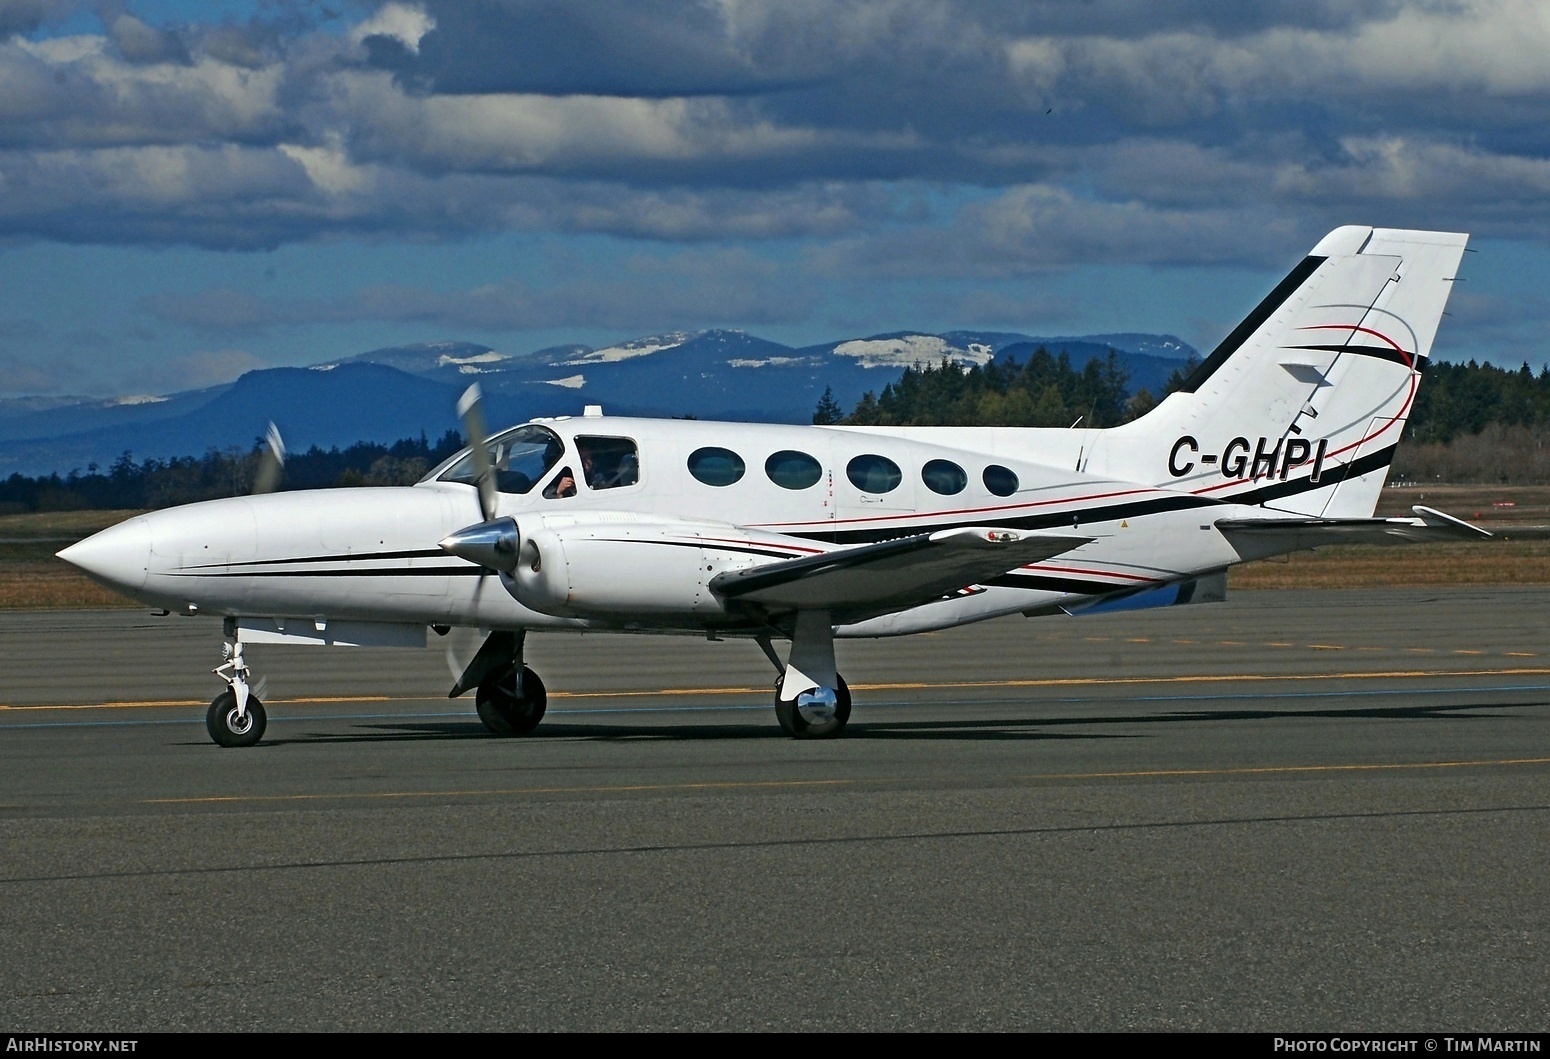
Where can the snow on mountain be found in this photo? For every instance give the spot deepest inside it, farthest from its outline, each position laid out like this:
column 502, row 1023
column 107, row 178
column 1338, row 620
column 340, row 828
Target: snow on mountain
column 765, row 362
column 138, row 398
column 910, row 351
column 715, row 374
column 477, row 364
column 640, row 347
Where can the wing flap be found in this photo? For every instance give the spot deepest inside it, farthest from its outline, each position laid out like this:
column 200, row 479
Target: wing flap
column 894, row 575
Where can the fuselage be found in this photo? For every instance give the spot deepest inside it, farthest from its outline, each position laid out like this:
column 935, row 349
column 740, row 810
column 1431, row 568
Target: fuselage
column 1279, row 440
column 753, row 494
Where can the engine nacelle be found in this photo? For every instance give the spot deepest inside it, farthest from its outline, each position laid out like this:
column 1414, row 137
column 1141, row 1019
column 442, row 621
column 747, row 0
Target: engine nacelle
column 613, row 566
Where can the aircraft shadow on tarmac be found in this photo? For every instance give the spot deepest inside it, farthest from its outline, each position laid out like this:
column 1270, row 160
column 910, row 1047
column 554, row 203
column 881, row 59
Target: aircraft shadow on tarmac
column 615, row 732
column 976, row 729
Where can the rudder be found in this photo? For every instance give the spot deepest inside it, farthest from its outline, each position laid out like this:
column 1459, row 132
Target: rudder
column 1301, row 405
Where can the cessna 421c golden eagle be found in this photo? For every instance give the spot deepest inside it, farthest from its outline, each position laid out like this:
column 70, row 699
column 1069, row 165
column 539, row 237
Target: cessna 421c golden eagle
column 1280, row 441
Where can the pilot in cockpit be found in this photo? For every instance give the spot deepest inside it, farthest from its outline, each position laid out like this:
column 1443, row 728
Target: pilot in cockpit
column 606, row 463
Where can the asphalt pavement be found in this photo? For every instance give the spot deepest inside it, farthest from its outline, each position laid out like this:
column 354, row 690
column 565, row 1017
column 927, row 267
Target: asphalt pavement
column 1292, row 811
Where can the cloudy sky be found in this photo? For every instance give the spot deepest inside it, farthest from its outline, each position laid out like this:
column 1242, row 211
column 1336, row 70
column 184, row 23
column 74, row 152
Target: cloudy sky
column 193, row 188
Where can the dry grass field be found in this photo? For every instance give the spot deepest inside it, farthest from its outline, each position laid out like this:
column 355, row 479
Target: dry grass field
column 1499, row 509
column 30, row 576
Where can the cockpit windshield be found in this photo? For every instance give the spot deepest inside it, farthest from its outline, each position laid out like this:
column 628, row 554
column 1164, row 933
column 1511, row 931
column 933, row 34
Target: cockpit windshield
column 520, row 456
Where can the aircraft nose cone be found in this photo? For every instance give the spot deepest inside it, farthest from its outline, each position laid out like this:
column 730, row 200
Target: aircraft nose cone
column 118, row 556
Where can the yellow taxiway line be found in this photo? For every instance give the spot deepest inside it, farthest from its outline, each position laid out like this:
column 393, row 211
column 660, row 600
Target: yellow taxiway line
column 946, row 685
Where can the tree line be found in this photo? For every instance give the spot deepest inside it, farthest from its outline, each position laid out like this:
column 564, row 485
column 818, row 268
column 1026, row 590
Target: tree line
column 1043, row 391
column 1046, row 391
column 154, row 483
column 1472, row 422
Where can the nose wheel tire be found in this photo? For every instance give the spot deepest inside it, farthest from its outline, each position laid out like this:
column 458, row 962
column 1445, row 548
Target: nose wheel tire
column 818, row 719
column 504, row 709
column 227, row 728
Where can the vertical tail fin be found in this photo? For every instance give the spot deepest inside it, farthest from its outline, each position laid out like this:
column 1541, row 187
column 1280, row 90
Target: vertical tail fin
column 1301, row 406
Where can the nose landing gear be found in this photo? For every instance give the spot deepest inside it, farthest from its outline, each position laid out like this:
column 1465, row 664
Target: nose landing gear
column 236, row 717
column 510, row 699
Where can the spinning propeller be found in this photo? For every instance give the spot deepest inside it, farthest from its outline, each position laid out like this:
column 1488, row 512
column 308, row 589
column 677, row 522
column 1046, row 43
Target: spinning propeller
column 270, row 462
column 493, row 542
column 470, row 410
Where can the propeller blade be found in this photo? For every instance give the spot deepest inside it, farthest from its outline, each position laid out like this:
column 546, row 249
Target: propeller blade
column 270, row 462
column 470, row 410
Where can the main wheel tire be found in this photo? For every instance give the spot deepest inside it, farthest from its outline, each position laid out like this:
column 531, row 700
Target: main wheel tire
column 227, row 729
column 798, row 727
column 502, row 710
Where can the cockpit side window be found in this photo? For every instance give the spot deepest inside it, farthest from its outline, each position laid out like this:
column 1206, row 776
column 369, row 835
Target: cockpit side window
column 561, row 485
column 608, row 463
column 520, row 457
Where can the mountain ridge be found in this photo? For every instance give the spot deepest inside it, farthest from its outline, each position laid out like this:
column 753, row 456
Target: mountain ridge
column 395, row 392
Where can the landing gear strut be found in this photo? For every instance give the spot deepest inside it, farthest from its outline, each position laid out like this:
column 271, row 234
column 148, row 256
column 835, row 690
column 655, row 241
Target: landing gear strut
column 236, row 717
column 511, row 698
column 812, row 700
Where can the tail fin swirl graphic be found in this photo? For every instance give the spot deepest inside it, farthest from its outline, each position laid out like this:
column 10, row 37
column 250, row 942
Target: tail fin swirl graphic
column 1301, row 405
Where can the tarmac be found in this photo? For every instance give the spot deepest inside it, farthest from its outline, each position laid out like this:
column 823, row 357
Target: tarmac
column 1295, row 811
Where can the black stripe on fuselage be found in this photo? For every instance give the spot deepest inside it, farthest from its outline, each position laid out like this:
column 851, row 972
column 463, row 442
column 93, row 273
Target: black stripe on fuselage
column 225, row 569
column 1251, row 323
column 411, row 571
column 1065, row 519
column 718, row 547
column 1373, row 461
column 422, row 553
column 1068, row 519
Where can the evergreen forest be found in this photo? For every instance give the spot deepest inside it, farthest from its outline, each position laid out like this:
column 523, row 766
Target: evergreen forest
column 1472, row 423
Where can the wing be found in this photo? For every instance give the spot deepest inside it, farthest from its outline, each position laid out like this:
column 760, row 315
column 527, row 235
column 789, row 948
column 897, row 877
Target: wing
column 1254, row 538
column 865, row 581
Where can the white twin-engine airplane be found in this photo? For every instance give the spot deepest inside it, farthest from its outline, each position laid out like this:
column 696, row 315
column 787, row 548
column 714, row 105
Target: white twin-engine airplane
column 1280, row 441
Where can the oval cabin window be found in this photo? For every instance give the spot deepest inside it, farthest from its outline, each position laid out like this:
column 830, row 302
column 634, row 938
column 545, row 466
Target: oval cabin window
column 873, row 474
column 944, row 476
column 793, row 470
column 1000, row 480
column 716, row 466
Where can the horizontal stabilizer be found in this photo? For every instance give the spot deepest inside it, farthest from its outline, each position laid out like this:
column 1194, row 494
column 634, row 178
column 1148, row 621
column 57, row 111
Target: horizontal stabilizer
column 1255, row 538
column 855, row 583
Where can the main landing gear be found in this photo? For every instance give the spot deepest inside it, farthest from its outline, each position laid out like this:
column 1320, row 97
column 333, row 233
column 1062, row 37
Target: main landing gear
column 812, row 700
column 511, row 698
column 815, row 714
column 236, row 717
